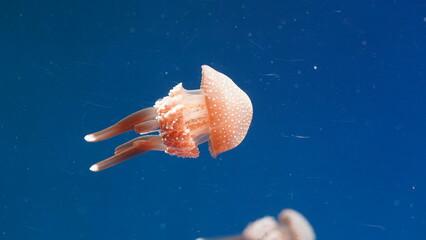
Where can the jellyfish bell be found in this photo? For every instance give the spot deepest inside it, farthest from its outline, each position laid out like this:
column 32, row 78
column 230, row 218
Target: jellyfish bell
column 291, row 225
column 297, row 226
column 219, row 112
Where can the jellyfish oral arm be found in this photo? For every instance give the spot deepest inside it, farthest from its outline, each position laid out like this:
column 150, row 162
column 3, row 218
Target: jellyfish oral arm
column 184, row 121
column 142, row 122
column 181, row 120
column 126, row 124
column 130, row 149
column 148, row 126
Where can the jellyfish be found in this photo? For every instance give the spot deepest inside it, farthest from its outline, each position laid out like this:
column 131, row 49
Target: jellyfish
column 219, row 112
column 291, row 225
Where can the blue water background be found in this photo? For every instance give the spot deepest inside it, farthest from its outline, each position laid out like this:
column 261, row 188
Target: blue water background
column 338, row 90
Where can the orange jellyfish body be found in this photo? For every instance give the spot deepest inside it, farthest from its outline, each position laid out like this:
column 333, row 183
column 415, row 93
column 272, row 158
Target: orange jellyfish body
column 220, row 113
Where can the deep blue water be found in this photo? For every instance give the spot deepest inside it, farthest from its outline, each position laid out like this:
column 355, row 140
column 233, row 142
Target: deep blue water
column 347, row 75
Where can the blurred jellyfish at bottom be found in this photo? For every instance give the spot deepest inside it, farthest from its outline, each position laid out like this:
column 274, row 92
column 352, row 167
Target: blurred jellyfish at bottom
column 291, row 225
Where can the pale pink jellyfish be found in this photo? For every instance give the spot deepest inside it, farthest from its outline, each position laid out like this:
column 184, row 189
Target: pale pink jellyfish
column 291, row 225
column 219, row 112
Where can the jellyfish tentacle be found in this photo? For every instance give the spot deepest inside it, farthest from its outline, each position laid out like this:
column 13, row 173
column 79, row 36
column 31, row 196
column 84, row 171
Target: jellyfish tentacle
column 124, row 125
column 129, row 150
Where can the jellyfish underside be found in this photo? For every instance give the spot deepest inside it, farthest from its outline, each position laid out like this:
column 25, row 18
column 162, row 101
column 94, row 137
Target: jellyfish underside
column 146, row 121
